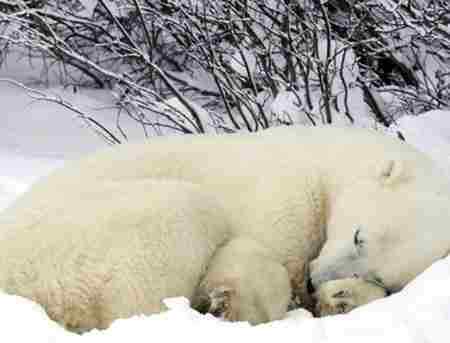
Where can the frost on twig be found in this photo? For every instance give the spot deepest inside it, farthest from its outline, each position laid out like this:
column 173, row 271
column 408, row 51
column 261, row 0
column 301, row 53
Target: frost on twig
column 241, row 64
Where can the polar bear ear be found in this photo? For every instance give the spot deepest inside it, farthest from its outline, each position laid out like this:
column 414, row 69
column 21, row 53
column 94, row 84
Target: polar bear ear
column 391, row 172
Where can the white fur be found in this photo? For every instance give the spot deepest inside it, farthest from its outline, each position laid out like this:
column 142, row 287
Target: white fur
column 284, row 191
column 110, row 251
column 344, row 295
column 402, row 222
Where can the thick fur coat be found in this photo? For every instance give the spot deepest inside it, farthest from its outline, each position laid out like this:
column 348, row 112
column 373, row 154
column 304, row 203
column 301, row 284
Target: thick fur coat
column 110, row 251
column 283, row 192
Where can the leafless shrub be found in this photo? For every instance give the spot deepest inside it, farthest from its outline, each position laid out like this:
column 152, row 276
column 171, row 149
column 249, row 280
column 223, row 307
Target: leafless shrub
column 198, row 66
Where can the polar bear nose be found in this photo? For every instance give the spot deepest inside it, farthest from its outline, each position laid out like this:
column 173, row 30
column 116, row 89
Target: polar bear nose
column 310, row 287
column 310, row 283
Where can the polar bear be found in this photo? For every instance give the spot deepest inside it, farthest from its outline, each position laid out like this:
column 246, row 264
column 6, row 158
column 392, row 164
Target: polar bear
column 397, row 228
column 284, row 192
column 110, row 251
column 343, row 295
column 119, row 248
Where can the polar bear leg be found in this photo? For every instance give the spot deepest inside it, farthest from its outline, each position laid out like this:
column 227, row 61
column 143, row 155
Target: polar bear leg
column 120, row 296
column 301, row 288
column 244, row 284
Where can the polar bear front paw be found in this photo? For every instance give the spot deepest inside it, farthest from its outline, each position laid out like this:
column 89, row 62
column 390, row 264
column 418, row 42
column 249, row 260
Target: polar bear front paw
column 221, row 302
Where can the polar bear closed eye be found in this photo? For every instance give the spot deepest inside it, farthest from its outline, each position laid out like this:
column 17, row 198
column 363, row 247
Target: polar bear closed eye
column 342, row 296
column 386, row 231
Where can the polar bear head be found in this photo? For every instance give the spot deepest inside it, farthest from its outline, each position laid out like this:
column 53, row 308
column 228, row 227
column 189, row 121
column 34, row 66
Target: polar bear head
column 342, row 296
column 386, row 229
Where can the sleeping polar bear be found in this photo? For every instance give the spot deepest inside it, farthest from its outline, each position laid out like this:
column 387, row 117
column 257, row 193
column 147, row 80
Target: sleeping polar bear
column 381, row 206
column 398, row 227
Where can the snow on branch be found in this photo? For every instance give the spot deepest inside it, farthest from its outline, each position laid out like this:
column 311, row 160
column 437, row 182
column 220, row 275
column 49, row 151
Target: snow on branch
column 222, row 66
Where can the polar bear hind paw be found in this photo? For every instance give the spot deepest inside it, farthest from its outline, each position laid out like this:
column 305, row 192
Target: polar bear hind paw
column 220, row 302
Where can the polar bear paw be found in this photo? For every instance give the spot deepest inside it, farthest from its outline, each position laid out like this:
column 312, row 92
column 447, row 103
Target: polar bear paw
column 221, row 302
column 343, row 295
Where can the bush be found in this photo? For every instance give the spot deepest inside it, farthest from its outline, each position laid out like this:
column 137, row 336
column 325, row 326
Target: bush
column 198, row 66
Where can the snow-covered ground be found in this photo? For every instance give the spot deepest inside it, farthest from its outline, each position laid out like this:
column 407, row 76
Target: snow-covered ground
column 36, row 137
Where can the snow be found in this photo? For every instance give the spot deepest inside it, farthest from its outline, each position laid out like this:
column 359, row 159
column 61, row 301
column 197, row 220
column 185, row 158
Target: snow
column 420, row 313
column 36, row 137
column 429, row 133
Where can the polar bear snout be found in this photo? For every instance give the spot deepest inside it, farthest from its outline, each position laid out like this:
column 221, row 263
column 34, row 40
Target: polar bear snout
column 316, row 277
column 341, row 259
column 319, row 277
column 321, row 271
column 342, row 266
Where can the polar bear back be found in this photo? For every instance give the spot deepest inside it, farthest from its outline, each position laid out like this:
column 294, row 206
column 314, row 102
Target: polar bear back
column 229, row 163
column 122, row 246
